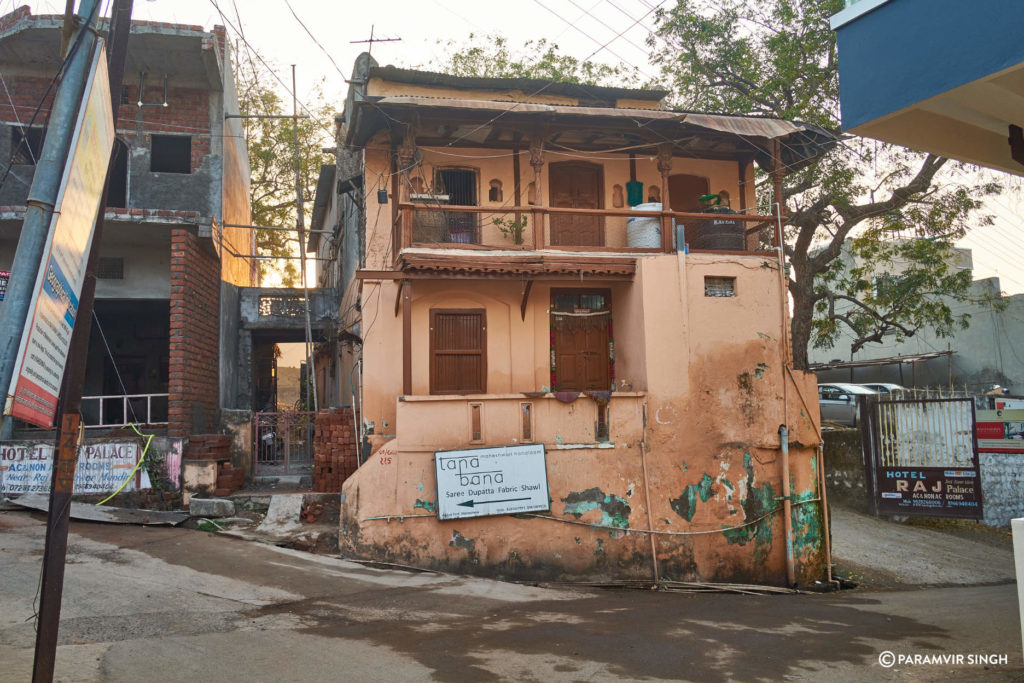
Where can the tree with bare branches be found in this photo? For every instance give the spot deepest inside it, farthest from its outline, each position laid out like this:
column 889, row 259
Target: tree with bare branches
column 870, row 227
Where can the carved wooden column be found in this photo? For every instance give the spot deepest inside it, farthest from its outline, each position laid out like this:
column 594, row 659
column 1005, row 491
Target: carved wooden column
column 537, row 162
column 664, row 167
column 406, row 162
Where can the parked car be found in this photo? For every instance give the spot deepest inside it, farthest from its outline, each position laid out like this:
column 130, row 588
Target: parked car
column 838, row 402
column 885, row 389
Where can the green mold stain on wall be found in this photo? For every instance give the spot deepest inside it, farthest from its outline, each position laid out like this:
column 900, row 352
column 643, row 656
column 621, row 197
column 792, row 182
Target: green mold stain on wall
column 428, row 505
column 759, row 509
column 614, row 509
column 807, row 528
column 761, row 367
column 686, row 504
column 460, row 541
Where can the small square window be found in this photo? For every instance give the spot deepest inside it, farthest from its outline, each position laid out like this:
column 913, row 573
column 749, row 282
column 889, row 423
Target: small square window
column 719, row 286
column 171, row 154
column 110, row 268
column 26, row 144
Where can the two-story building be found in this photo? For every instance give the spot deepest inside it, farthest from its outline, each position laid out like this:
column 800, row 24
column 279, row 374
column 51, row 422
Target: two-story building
column 181, row 174
column 534, row 262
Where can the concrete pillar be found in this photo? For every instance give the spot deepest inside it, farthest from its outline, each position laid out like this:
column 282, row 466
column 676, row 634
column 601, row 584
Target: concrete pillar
column 1018, row 559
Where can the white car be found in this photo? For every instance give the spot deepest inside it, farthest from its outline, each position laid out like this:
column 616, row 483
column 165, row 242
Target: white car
column 885, row 389
column 838, row 402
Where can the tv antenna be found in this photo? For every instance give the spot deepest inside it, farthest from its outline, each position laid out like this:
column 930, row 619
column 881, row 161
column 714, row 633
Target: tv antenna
column 371, row 40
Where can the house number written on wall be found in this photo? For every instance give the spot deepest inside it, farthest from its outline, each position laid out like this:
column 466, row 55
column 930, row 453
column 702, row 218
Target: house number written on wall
column 479, row 482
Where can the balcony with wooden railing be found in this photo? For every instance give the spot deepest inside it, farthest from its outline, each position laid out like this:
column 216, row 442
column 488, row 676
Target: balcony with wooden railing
column 531, row 228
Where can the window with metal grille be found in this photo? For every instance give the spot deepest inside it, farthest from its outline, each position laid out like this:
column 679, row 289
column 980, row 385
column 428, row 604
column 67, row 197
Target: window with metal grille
column 719, row 286
column 460, row 185
column 110, row 268
column 458, row 351
column 26, row 145
column 170, row 154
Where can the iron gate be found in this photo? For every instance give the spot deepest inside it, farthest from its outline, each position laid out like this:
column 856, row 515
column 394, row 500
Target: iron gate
column 921, row 457
column 282, row 443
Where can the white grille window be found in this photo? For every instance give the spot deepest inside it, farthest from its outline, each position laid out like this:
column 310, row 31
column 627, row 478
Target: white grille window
column 110, row 268
column 719, row 286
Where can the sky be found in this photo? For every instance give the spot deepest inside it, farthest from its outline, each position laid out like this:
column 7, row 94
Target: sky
column 287, row 32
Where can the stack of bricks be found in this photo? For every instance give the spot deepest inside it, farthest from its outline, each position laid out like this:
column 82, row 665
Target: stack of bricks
column 209, row 447
column 334, row 449
column 229, row 480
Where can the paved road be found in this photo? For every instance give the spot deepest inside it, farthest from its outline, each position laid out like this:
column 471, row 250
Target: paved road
column 916, row 556
column 144, row 604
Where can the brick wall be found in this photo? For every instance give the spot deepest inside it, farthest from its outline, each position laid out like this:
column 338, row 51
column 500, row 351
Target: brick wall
column 334, row 449
column 194, row 343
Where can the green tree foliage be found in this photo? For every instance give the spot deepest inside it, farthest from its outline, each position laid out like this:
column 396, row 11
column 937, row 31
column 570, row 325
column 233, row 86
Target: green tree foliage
column 491, row 56
column 272, row 162
column 870, row 227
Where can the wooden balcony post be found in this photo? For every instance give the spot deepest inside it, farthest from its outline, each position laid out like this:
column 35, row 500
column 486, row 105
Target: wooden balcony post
column 407, row 339
column 778, row 174
column 664, row 167
column 537, row 162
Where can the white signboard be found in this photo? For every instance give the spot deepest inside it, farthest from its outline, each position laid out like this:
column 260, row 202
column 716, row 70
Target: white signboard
column 51, row 316
column 479, row 482
column 27, row 467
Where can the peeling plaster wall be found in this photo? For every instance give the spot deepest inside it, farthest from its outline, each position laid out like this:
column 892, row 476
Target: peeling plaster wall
column 709, row 395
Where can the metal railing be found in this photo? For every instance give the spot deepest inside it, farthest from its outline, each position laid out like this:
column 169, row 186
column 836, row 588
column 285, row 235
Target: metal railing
column 283, row 443
column 118, row 410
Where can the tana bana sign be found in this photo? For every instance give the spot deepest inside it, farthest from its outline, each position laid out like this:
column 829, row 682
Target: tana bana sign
column 480, row 482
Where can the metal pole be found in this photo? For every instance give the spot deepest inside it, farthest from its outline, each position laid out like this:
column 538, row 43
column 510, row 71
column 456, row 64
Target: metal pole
column 311, row 399
column 69, row 418
column 39, row 208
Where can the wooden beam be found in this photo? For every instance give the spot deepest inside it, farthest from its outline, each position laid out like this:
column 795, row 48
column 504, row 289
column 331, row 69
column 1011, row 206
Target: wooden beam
column 526, row 297
column 398, row 297
column 407, row 339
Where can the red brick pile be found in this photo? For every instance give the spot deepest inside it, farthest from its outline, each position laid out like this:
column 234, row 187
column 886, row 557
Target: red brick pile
column 209, row 447
column 334, row 449
column 229, row 480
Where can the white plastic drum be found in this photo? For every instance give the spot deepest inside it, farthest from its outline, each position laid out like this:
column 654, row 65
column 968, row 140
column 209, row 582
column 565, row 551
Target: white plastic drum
column 644, row 231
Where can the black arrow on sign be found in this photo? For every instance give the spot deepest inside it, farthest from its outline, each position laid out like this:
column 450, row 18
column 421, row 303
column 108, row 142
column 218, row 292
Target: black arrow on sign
column 471, row 503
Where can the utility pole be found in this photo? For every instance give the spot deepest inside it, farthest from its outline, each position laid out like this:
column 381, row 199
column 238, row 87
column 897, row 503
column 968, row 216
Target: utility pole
column 301, row 227
column 69, row 418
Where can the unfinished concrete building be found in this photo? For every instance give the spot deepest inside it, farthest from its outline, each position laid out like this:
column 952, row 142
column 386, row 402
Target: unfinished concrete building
column 181, row 172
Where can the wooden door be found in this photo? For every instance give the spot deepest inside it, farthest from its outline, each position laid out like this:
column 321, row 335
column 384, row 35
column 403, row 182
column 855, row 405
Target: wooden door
column 685, row 190
column 580, row 340
column 576, row 185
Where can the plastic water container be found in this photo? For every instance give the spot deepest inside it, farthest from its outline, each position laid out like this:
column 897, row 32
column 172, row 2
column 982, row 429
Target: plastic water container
column 644, row 231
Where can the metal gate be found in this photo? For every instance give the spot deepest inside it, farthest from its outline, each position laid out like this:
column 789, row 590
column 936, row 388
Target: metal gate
column 282, row 443
column 921, row 457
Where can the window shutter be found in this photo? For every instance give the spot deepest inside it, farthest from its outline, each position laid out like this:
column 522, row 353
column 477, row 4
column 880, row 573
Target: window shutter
column 458, row 351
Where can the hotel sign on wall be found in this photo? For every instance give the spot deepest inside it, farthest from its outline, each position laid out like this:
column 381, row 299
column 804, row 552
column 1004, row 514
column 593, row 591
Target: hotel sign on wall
column 480, row 482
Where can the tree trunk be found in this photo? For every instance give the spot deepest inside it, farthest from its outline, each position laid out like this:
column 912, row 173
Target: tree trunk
column 800, row 328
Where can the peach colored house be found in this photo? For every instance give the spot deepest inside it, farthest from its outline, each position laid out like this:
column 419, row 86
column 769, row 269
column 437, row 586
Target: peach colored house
column 502, row 290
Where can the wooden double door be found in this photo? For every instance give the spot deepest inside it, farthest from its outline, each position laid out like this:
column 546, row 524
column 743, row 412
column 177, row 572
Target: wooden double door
column 576, row 185
column 581, row 340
